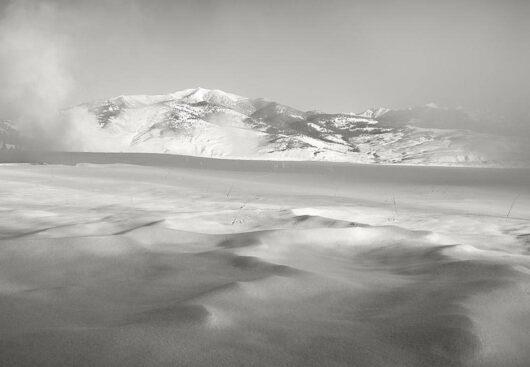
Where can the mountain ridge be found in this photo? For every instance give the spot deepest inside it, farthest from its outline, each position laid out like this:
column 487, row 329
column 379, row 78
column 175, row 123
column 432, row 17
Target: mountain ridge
column 213, row 123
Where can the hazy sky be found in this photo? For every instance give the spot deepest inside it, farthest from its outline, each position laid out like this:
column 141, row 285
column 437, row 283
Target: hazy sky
column 312, row 54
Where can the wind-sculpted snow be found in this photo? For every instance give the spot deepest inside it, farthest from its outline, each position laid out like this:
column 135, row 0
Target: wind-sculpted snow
column 213, row 123
column 166, row 260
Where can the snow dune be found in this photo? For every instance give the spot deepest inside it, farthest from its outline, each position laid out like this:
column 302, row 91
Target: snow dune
column 132, row 259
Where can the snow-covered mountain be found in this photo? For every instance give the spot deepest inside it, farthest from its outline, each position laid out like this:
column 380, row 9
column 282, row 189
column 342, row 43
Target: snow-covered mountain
column 213, row 123
column 9, row 138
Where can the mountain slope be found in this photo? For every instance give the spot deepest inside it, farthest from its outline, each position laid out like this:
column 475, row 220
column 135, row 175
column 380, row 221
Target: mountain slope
column 9, row 138
column 214, row 123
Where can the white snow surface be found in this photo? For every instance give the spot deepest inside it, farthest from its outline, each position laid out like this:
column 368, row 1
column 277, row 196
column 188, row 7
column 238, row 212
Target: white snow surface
column 169, row 260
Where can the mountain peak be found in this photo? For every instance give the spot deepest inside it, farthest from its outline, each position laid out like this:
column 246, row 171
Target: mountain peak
column 201, row 94
column 215, row 123
column 215, row 97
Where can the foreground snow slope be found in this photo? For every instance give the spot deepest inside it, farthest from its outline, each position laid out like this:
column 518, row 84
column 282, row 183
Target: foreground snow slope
column 213, row 123
column 164, row 260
